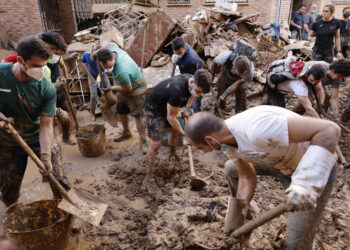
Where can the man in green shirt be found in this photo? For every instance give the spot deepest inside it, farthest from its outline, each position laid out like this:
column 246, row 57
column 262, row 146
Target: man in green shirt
column 30, row 99
column 130, row 85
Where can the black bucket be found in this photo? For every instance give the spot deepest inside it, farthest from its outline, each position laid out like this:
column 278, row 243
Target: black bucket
column 39, row 225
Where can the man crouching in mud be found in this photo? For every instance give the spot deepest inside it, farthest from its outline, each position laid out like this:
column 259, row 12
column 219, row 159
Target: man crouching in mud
column 273, row 141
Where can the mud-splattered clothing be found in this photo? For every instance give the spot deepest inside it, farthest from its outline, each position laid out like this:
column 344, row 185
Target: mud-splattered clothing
column 262, row 138
column 175, row 91
column 126, row 72
column 25, row 102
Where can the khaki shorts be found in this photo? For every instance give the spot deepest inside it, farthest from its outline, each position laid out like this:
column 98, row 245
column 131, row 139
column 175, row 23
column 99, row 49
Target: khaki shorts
column 132, row 105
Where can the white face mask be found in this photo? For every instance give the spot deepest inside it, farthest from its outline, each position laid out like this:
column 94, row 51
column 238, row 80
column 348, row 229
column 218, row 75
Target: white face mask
column 35, row 73
column 193, row 93
column 54, row 59
column 110, row 69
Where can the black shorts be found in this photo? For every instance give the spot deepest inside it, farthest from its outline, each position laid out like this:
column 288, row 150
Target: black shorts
column 322, row 54
column 156, row 124
column 131, row 105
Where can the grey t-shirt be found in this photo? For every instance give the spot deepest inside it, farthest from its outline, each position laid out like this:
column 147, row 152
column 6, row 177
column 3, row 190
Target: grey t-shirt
column 309, row 19
column 223, row 57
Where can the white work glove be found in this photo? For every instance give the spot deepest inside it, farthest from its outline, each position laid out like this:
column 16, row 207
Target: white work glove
column 310, row 178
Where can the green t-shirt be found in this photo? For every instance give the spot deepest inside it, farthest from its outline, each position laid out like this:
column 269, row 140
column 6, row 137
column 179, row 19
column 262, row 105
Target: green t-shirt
column 127, row 72
column 25, row 102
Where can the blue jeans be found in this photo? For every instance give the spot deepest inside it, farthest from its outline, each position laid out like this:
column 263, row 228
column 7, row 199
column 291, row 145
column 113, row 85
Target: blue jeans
column 302, row 225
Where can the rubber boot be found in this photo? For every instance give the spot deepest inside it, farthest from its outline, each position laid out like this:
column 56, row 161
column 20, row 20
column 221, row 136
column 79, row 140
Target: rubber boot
column 173, row 153
column 63, row 118
column 92, row 110
column 235, row 215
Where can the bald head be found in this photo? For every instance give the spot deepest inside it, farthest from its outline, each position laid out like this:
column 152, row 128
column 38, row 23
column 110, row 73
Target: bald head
column 202, row 124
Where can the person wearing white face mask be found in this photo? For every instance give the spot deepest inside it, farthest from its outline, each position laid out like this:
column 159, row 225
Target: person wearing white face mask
column 30, row 99
column 162, row 106
column 309, row 19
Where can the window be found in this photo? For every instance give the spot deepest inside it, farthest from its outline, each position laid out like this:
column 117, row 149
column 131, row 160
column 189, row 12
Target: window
column 237, row 1
column 179, row 2
column 210, row 1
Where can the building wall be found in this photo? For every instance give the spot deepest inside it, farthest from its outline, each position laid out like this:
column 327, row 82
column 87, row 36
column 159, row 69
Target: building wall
column 68, row 20
column 20, row 18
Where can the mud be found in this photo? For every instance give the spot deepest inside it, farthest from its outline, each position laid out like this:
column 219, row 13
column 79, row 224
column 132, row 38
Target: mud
column 92, row 140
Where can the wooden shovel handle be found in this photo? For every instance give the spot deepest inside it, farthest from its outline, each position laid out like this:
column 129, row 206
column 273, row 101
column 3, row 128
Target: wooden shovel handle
column 190, row 159
column 262, row 219
column 37, row 161
column 70, row 106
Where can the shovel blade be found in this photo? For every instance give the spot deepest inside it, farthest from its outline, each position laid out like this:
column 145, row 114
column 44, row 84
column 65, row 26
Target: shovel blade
column 86, row 206
column 197, row 183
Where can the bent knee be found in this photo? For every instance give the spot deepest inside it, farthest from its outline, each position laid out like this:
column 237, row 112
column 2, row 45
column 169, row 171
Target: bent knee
column 230, row 168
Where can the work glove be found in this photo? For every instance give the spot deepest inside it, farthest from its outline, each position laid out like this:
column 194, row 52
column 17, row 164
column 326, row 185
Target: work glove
column 46, row 160
column 300, row 198
column 321, row 109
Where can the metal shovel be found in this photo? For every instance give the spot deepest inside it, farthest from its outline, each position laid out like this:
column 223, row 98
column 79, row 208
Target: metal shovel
column 83, row 205
column 196, row 183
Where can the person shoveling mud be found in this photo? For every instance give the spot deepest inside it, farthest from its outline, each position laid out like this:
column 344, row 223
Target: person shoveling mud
column 162, row 106
column 273, row 141
column 32, row 113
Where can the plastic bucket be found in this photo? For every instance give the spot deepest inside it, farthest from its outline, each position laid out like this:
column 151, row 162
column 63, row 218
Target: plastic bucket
column 39, row 225
column 92, row 140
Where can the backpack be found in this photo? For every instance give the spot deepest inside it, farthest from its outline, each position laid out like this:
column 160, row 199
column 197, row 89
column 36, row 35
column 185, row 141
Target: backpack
column 295, row 68
column 244, row 48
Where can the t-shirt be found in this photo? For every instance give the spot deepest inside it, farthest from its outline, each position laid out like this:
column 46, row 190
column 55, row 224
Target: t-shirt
column 224, row 56
column 126, row 72
column 298, row 87
column 309, row 19
column 25, row 102
column 325, row 32
column 298, row 19
column 91, row 65
column 190, row 61
column 173, row 90
column 262, row 137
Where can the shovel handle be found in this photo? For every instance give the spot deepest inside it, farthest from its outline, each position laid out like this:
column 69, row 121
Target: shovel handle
column 37, row 161
column 70, row 106
column 262, row 219
column 190, row 159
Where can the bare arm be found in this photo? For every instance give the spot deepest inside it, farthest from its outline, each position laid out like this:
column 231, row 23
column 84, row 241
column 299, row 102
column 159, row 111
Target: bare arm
column 310, row 35
column 172, row 113
column 319, row 132
column 246, row 180
column 213, row 69
column 121, row 89
column 305, row 102
column 320, row 93
column 306, row 27
column 232, row 89
column 46, row 134
column 335, row 101
column 64, row 67
column 337, row 43
column 295, row 25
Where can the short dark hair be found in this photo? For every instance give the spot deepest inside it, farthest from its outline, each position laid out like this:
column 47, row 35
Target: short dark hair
column 310, row 4
column 54, row 39
column 104, row 55
column 202, row 78
column 318, row 71
column 346, row 8
column 242, row 64
column 32, row 46
column 178, row 43
column 301, row 6
column 330, row 7
column 341, row 66
column 202, row 124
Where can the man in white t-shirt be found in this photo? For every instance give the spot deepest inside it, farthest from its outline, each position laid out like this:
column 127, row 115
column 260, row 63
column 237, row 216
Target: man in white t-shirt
column 273, row 140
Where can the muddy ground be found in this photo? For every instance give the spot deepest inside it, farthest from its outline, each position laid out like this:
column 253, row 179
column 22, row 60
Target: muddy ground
column 175, row 217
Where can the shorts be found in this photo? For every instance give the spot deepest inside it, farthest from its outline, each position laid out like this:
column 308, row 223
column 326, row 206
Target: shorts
column 156, row 124
column 132, row 105
column 322, row 54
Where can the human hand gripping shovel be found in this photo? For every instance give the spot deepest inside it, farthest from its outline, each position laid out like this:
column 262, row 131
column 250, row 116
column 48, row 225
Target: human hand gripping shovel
column 77, row 202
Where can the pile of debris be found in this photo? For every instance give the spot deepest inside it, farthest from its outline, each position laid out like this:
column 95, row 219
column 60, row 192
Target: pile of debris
column 146, row 32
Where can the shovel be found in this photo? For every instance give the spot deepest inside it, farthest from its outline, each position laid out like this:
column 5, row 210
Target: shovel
column 262, row 219
column 83, row 205
column 196, row 183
